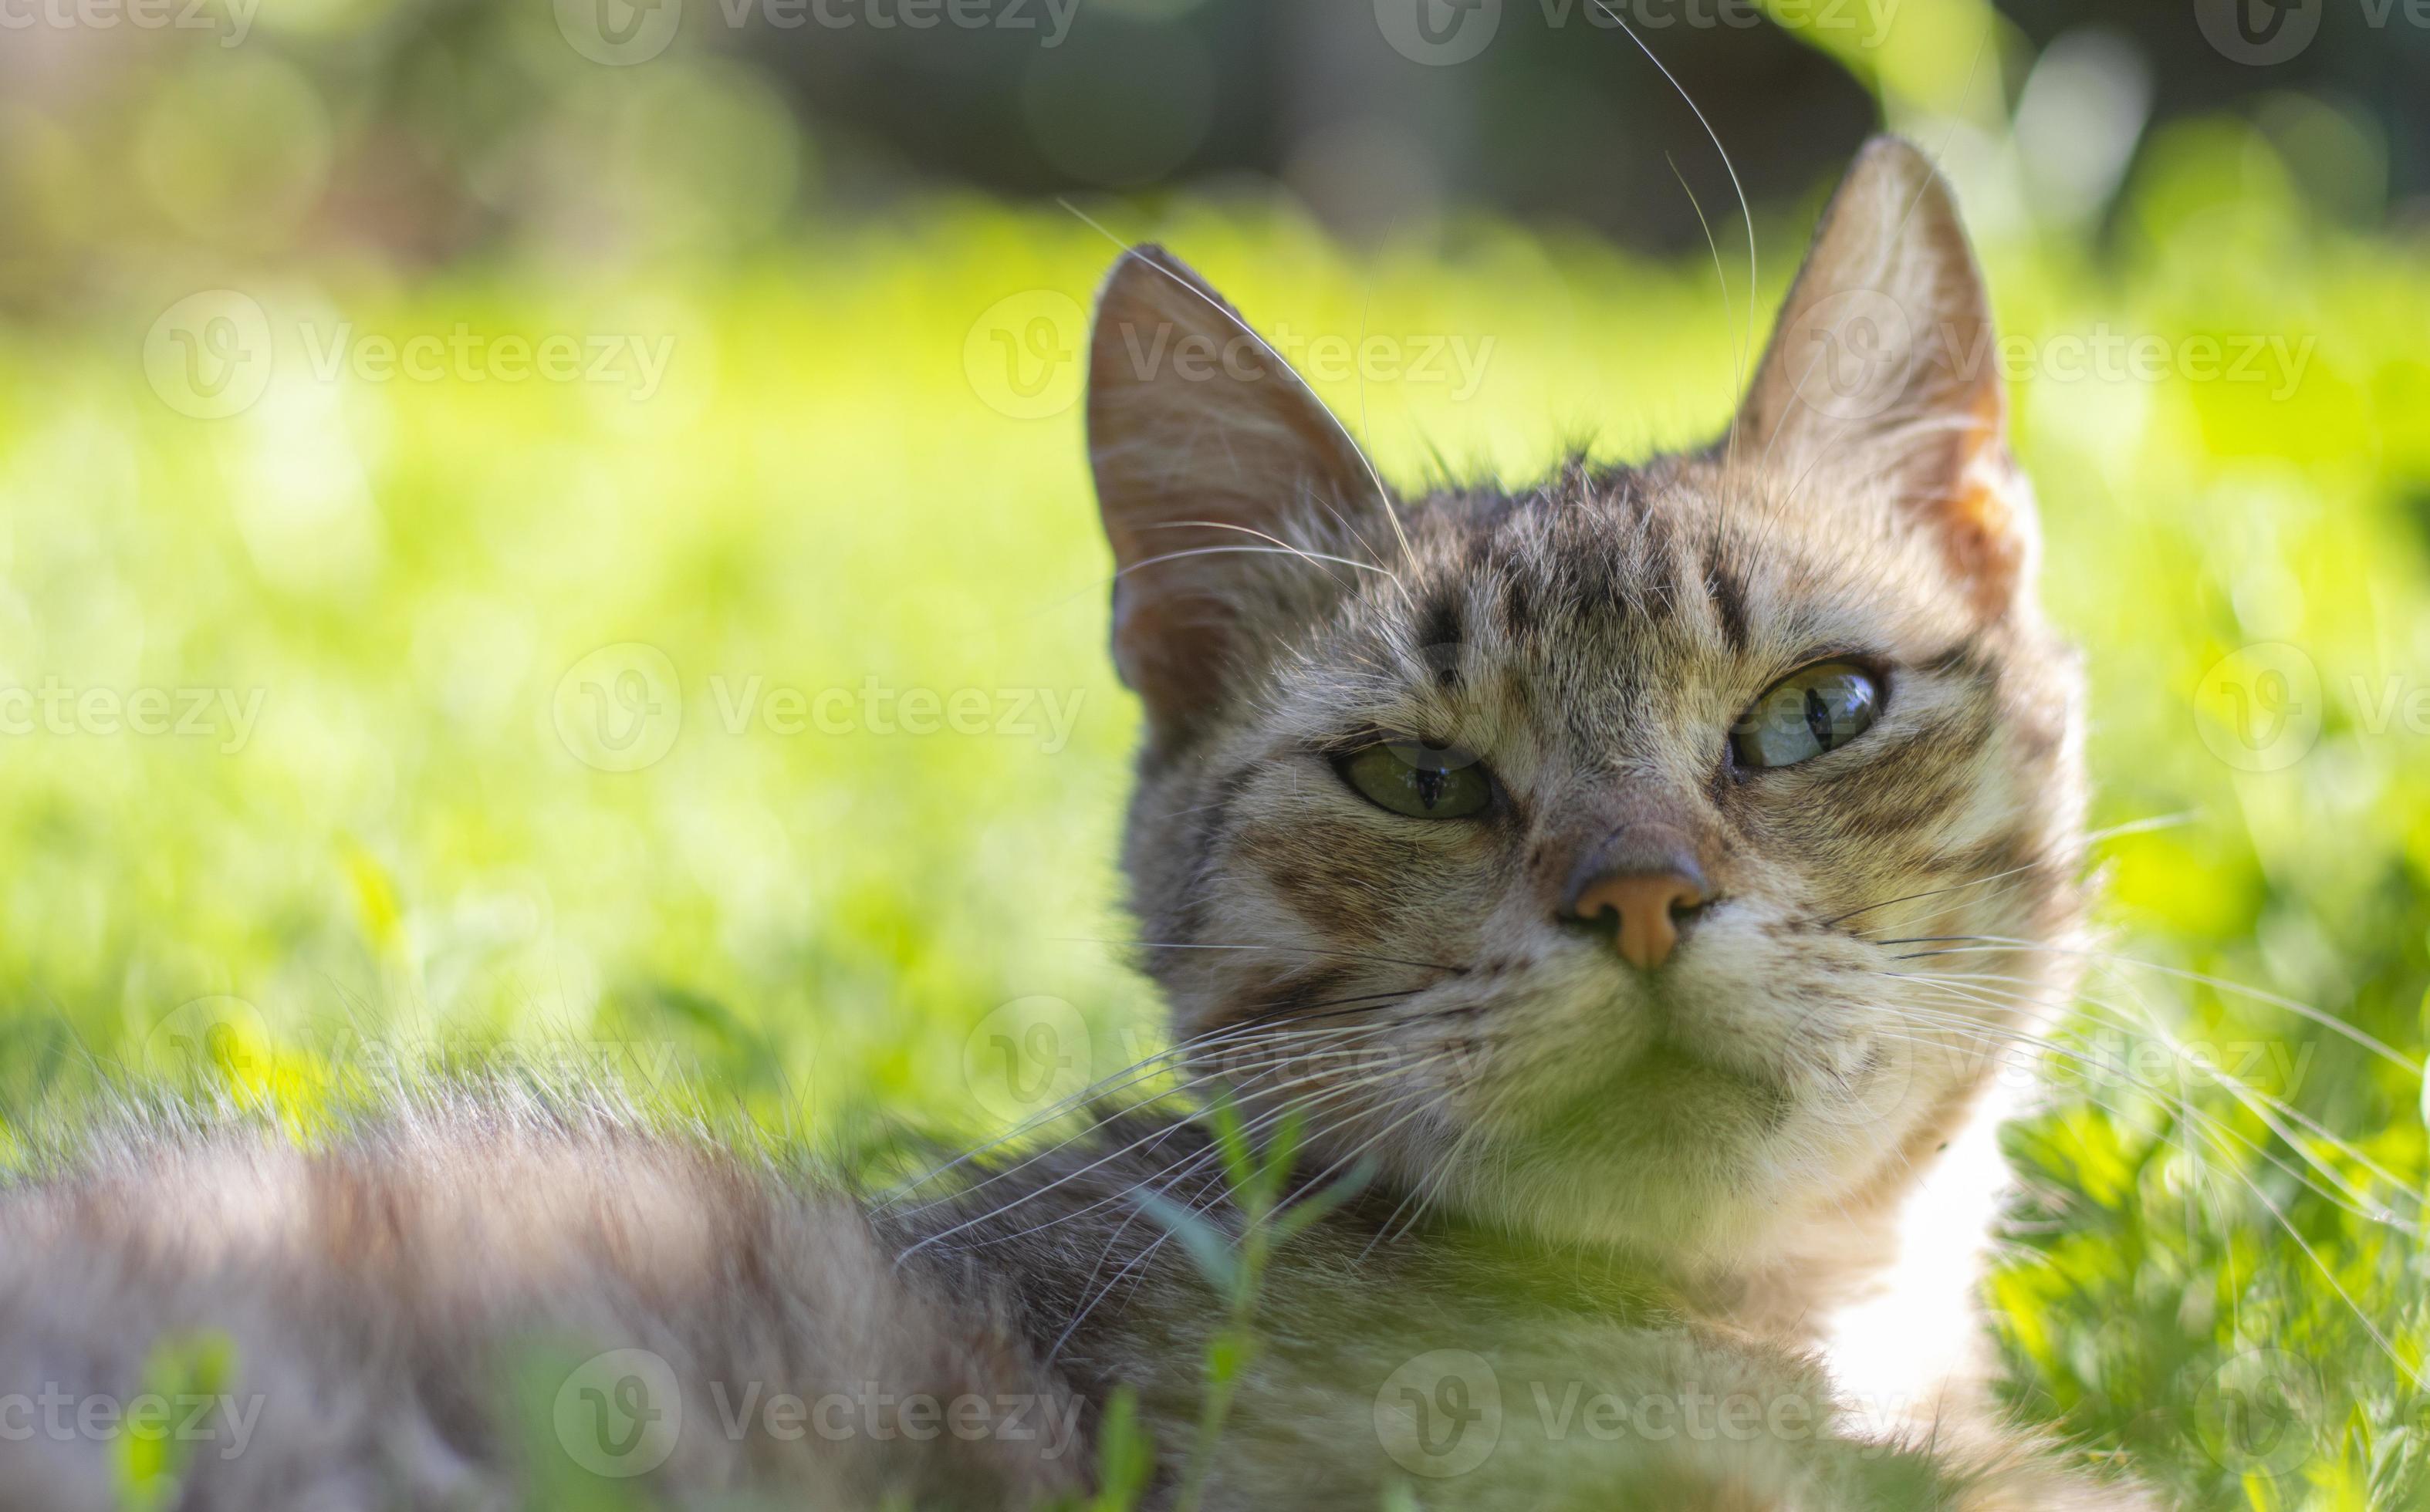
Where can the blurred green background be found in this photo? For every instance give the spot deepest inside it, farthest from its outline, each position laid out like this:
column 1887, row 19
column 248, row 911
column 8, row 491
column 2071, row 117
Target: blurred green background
column 559, row 534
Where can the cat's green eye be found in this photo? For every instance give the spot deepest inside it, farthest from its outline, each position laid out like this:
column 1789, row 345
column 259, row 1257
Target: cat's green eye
column 1812, row 710
column 1419, row 780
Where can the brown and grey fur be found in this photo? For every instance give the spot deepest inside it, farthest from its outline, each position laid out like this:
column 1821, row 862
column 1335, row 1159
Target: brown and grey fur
column 1693, row 1181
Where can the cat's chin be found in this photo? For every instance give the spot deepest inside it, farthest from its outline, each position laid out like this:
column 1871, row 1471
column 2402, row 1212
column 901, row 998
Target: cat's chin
column 1678, row 1158
column 1671, row 1096
column 1691, row 1215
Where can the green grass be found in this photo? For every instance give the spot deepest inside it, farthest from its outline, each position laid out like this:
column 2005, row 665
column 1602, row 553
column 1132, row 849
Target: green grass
column 406, row 858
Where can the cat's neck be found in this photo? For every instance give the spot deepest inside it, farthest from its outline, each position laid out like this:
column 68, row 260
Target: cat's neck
column 1106, row 1278
column 1853, row 1273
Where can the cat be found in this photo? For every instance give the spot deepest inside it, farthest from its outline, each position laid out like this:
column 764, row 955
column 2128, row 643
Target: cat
column 1547, row 879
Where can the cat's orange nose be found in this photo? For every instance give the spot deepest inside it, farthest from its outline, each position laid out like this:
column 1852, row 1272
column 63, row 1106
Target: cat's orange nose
column 1648, row 904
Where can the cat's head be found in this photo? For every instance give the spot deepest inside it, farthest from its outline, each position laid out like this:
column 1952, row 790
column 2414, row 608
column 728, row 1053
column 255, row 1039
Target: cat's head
column 1575, row 851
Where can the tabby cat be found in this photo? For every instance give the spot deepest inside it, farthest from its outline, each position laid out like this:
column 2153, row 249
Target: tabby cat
column 1550, row 875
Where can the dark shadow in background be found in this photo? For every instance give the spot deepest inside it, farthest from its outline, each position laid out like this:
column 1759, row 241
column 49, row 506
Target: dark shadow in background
column 1561, row 118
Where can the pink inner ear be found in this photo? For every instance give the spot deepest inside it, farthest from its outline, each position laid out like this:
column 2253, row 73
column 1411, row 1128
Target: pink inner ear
column 1986, row 517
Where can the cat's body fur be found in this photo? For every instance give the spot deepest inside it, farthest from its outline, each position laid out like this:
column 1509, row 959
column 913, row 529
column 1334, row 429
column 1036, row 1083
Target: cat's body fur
column 1591, row 1176
column 381, row 1305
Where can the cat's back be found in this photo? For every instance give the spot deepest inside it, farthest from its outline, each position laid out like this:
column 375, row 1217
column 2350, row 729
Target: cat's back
column 450, row 1309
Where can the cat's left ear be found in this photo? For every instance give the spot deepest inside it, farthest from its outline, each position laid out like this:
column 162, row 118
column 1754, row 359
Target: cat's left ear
column 1883, row 371
column 1218, row 471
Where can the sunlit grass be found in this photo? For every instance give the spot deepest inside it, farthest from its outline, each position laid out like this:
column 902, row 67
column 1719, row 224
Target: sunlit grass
column 402, row 857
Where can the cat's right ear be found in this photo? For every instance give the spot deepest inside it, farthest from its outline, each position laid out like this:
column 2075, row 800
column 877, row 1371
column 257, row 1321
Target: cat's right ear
column 1214, row 462
column 1878, row 376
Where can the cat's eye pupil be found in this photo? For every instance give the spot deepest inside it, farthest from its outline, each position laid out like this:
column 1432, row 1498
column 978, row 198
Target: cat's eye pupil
column 1807, row 713
column 1417, row 780
column 1817, row 718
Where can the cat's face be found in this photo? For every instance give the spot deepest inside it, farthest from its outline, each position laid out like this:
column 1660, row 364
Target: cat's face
column 1574, row 853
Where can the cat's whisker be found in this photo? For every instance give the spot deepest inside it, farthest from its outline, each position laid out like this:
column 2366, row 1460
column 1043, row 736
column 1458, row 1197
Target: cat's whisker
column 1329, row 1094
column 2264, row 1105
column 1255, row 550
column 2184, row 1114
column 1254, row 1037
column 2112, row 960
column 2142, row 827
column 1340, row 1117
column 1318, row 559
column 2356, row 1201
column 1797, row 396
column 1753, row 277
column 1145, row 1068
column 1013, row 1171
column 1966, row 886
column 1729, row 312
column 1383, row 494
column 1419, row 1102
column 1333, row 951
column 1286, row 1109
column 1423, row 1192
column 2326, row 1274
column 1163, row 1183
column 1277, row 1026
column 2214, row 1130
column 1090, row 1304
column 1349, row 527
